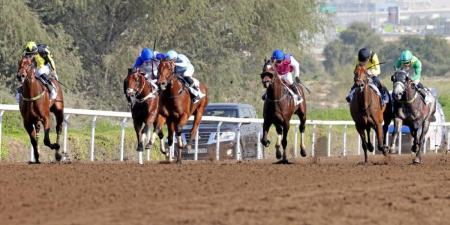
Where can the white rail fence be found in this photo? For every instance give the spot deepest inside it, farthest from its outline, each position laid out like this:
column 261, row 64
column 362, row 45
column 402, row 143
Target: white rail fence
column 124, row 116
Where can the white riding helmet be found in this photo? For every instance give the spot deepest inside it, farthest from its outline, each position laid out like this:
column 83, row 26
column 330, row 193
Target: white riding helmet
column 171, row 55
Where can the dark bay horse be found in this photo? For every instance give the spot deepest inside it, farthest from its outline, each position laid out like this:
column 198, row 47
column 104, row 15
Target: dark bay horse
column 144, row 108
column 410, row 108
column 278, row 109
column 35, row 106
column 368, row 112
column 176, row 106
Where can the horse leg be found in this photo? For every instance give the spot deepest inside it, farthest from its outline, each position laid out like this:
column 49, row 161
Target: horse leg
column 284, row 141
column 138, row 128
column 34, row 141
column 425, row 126
column 171, row 130
column 59, row 115
column 380, row 142
column 278, row 144
column 362, row 135
column 151, row 136
column 398, row 123
column 369, row 142
column 194, row 130
column 46, row 122
column 266, row 127
column 302, row 133
column 160, row 122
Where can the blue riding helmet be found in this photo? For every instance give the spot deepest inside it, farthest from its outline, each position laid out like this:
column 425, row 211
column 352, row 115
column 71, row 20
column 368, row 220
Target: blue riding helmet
column 277, row 55
column 146, row 54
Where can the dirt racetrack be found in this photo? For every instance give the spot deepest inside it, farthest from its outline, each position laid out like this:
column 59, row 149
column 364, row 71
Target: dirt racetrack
column 327, row 191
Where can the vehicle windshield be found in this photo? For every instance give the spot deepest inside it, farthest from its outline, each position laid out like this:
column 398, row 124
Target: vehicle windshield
column 221, row 112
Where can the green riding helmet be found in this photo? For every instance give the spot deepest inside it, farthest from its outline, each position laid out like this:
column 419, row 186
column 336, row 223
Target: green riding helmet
column 406, row 57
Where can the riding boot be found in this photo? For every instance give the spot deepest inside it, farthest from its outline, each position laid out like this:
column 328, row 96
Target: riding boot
column 384, row 96
column 264, row 96
column 422, row 91
column 296, row 92
column 49, row 86
column 18, row 94
column 350, row 94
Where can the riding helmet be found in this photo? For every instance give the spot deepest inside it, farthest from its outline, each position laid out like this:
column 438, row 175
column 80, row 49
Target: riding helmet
column 146, row 54
column 171, row 55
column 363, row 54
column 277, row 55
column 406, row 56
column 31, row 47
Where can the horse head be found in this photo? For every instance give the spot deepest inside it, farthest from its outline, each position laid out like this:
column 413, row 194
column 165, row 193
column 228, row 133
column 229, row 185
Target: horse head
column 165, row 73
column 400, row 80
column 360, row 76
column 25, row 69
column 135, row 83
column 267, row 74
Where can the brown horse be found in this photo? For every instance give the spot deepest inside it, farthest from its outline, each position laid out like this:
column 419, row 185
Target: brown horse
column 278, row 109
column 35, row 106
column 144, row 108
column 368, row 112
column 410, row 108
column 176, row 106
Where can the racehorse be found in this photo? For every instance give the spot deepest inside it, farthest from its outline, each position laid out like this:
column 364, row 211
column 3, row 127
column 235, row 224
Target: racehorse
column 35, row 106
column 144, row 101
column 368, row 112
column 278, row 109
column 410, row 108
column 175, row 106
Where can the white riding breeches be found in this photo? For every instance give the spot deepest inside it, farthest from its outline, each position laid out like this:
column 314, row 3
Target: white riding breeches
column 43, row 70
column 287, row 78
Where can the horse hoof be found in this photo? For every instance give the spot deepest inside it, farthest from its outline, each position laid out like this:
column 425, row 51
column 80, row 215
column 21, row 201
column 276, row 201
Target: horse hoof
column 416, row 162
column 265, row 143
column 370, row 147
column 58, row 156
column 56, row 147
column 35, row 162
column 303, row 152
column 283, row 161
column 278, row 154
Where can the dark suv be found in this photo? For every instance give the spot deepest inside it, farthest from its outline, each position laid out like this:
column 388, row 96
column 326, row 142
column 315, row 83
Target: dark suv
column 228, row 133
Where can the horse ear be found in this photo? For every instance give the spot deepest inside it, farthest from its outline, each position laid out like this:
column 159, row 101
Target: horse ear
column 265, row 60
column 130, row 70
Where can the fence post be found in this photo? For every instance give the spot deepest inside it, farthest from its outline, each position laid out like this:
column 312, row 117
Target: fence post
column 258, row 146
column 122, row 137
column 329, row 141
column 238, row 143
column 313, row 140
column 295, row 140
column 196, row 144
column 218, row 141
column 172, row 147
column 1, row 125
column 435, row 139
column 375, row 141
column 65, row 124
column 344, row 153
column 93, row 137
column 448, row 141
column 400, row 140
column 359, row 145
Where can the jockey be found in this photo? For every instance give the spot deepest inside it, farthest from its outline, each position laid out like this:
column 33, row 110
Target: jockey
column 44, row 64
column 184, row 68
column 406, row 60
column 285, row 65
column 369, row 59
column 147, row 63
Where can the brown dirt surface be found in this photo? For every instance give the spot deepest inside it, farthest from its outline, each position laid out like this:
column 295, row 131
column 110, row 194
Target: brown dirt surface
column 324, row 191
